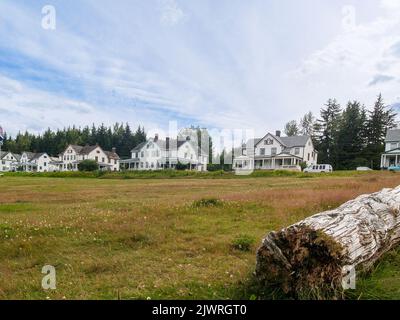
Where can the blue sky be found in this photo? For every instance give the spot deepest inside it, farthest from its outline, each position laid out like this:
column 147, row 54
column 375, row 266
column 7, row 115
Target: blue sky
column 218, row 64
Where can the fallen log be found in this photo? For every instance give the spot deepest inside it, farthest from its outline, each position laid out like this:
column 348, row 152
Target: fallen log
column 312, row 258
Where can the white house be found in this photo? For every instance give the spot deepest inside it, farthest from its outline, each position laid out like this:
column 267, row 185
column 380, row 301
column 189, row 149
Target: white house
column 73, row 155
column 35, row 162
column 9, row 161
column 158, row 154
column 391, row 156
column 273, row 152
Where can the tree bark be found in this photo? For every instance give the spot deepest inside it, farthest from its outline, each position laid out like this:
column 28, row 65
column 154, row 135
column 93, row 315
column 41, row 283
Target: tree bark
column 311, row 259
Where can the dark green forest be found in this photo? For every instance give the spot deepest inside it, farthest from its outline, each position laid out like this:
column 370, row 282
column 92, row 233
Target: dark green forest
column 120, row 136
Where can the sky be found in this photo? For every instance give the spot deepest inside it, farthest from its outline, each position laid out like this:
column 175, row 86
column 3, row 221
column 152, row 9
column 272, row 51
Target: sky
column 226, row 64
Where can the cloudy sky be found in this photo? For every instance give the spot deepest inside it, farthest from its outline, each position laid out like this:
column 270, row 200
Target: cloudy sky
column 219, row 64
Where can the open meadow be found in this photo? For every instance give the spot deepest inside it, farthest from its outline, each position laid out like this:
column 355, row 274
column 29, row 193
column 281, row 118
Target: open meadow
column 163, row 238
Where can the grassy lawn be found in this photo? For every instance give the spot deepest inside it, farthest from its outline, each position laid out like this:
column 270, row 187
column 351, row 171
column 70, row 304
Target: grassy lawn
column 140, row 238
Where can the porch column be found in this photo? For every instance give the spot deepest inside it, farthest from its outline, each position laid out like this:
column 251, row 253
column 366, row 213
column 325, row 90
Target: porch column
column 273, row 163
column 396, row 160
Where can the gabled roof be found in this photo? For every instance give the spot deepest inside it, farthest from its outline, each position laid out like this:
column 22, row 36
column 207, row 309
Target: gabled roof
column 83, row 150
column 139, row 147
column 3, row 154
column 112, row 155
column 29, row 155
column 393, row 135
column 38, row 155
column 295, row 141
column 288, row 142
column 87, row 149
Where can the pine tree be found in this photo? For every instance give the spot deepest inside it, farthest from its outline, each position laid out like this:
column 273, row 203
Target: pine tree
column 291, row 128
column 381, row 118
column 328, row 134
column 307, row 125
column 350, row 142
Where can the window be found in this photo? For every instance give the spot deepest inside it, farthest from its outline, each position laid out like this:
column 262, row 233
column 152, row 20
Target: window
column 262, row 151
column 103, row 160
column 97, row 159
column 45, row 164
column 297, row 151
column 142, row 154
column 308, row 157
column 273, row 151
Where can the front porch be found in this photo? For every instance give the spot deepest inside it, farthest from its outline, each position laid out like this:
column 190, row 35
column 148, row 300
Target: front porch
column 268, row 163
column 390, row 159
column 278, row 163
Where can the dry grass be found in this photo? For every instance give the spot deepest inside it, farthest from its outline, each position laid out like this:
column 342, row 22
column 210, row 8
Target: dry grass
column 144, row 238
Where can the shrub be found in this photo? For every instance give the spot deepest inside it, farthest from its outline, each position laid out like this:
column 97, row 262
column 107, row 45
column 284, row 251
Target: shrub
column 181, row 166
column 88, row 165
column 303, row 165
column 212, row 202
column 243, row 242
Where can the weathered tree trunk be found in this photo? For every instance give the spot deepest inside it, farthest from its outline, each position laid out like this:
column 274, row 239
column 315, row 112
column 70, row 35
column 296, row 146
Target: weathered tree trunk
column 311, row 258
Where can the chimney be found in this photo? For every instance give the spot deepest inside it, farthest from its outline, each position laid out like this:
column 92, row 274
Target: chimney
column 156, row 137
column 278, row 133
column 114, row 150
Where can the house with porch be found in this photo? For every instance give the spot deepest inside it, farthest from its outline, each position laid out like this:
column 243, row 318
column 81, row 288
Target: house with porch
column 34, row 162
column 74, row 154
column 9, row 161
column 274, row 152
column 391, row 156
column 160, row 154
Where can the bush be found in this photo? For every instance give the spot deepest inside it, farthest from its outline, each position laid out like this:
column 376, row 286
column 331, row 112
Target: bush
column 212, row 202
column 243, row 243
column 88, row 165
column 303, row 165
column 181, row 166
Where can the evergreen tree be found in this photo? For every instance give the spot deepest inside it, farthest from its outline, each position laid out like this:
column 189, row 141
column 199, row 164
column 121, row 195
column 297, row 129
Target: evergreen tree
column 381, row 118
column 291, row 128
column 307, row 125
column 328, row 134
column 350, row 142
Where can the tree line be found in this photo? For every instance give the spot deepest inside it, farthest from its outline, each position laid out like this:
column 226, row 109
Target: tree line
column 120, row 136
column 347, row 137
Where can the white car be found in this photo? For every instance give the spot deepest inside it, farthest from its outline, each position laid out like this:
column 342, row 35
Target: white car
column 363, row 169
column 319, row 168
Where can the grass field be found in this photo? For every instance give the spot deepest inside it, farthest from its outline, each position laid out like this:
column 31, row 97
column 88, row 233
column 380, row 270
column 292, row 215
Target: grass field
column 162, row 238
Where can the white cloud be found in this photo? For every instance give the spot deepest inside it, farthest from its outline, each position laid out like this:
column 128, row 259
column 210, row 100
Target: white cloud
column 357, row 64
column 171, row 13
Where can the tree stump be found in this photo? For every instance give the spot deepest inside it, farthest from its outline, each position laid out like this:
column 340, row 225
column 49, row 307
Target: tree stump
column 310, row 259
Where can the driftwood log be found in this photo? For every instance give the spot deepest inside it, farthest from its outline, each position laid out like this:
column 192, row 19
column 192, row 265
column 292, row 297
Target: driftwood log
column 313, row 257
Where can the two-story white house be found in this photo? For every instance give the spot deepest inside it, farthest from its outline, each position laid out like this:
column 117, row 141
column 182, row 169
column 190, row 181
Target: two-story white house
column 273, row 152
column 391, row 156
column 35, row 162
column 9, row 161
column 158, row 154
column 73, row 155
